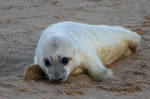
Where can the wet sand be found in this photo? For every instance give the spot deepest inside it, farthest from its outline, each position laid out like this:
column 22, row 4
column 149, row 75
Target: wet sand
column 21, row 23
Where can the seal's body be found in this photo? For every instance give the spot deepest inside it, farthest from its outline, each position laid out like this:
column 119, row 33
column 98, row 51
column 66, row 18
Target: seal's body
column 68, row 47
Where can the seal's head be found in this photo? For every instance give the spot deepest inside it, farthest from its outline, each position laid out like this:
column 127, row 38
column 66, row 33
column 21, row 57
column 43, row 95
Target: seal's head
column 57, row 56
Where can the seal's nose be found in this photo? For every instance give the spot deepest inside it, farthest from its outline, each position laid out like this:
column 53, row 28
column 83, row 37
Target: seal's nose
column 57, row 79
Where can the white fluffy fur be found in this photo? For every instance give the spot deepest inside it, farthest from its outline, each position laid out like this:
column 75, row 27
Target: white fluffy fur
column 95, row 46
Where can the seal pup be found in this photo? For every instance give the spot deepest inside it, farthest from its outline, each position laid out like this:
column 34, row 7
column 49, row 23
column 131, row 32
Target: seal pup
column 72, row 47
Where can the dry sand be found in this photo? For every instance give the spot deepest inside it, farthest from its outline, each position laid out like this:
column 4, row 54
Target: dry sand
column 21, row 23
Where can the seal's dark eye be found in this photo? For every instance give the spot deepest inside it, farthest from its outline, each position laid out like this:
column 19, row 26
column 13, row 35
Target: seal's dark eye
column 47, row 62
column 65, row 60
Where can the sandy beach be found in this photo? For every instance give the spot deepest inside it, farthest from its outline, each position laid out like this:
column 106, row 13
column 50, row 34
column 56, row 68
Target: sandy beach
column 21, row 23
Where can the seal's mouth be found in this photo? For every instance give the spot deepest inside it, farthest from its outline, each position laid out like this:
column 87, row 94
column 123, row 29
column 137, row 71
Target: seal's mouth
column 57, row 79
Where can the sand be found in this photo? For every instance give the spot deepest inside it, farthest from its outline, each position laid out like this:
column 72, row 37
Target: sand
column 21, row 23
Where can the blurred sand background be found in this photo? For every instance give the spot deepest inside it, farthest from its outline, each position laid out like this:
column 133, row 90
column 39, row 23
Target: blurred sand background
column 21, row 23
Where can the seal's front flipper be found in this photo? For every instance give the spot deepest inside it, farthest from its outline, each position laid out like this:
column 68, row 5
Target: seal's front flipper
column 101, row 73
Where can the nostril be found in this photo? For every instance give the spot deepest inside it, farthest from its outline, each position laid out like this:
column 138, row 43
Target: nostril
column 57, row 79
